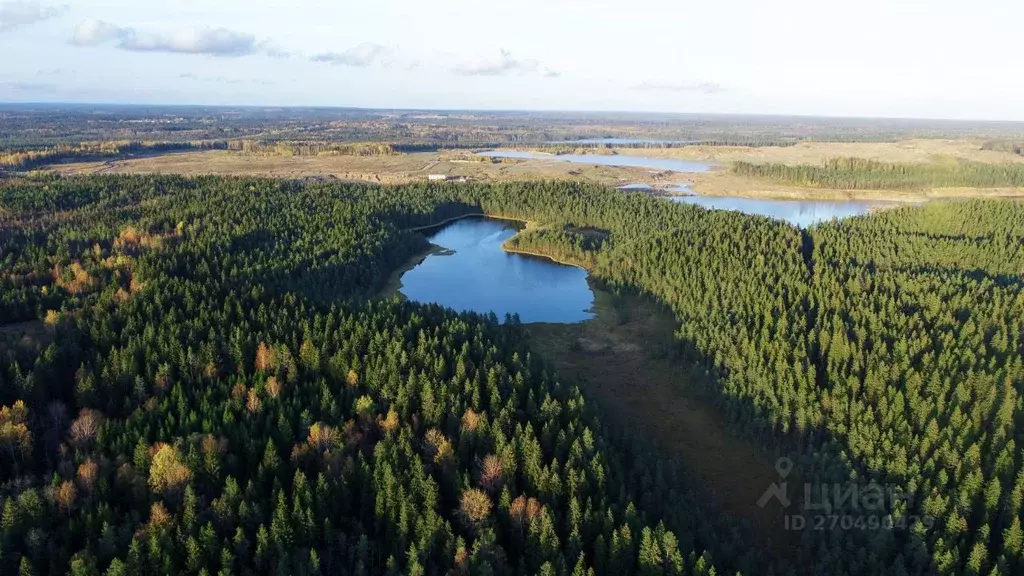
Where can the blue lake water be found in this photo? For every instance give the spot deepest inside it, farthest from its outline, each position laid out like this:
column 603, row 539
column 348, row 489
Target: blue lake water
column 802, row 213
column 623, row 141
column 481, row 277
column 606, row 160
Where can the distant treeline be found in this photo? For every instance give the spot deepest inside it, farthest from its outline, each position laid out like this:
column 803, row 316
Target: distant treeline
column 28, row 159
column 1014, row 147
column 858, row 173
column 435, row 146
column 745, row 142
column 312, row 148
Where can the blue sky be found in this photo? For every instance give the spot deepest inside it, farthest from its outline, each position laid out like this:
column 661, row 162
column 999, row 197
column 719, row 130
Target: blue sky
column 899, row 58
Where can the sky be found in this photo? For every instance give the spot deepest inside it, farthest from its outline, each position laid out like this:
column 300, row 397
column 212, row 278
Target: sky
column 875, row 58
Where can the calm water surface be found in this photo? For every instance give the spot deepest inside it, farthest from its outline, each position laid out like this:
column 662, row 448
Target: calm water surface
column 623, row 141
column 602, row 160
column 481, row 277
column 802, row 213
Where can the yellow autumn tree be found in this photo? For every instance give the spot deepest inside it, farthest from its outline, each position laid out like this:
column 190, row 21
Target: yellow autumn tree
column 15, row 436
column 159, row 516
column 265, row 357
column 475, row 505
column 65, row 496
column 167, row 472
column 273, row 387
column 470, row 420
column 252, row 403
column 323, row 437
column 390, row 423
column 439, row 447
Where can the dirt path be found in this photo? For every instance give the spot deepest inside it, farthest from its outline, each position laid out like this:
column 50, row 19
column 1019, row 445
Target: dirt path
column 612, row 357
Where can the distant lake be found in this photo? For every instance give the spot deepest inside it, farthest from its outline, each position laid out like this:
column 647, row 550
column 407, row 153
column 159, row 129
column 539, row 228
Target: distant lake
column 481, row 277
column 622, row 141
column 802, row 213
column 606, row 160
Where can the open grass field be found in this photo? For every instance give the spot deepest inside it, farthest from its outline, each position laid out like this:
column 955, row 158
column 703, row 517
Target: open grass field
column 398, row 169
column 615, row 359
column 720, row 181
column 907, row 151
column 726, row 183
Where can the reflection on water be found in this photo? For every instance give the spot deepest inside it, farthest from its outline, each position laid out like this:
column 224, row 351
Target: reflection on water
column 622, row 141
column 609, row 160
column 802, row 213
column 481, row 277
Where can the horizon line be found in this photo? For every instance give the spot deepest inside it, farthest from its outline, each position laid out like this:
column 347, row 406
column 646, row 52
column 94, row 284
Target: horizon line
column 504, row 110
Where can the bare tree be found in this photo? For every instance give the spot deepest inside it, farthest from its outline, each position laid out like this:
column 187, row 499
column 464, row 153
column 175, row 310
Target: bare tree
column 491, row 474
column 85, row 428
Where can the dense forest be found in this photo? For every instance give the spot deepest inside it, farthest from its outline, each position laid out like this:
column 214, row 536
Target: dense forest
column 212, row 392
column 29, row 158
column 861, row 174
column 34, row 157
column 885, row 348
column 312, row 148
column 195, row 379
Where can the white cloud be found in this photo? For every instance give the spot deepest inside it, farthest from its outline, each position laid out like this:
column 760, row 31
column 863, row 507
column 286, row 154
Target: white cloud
column 20, row 13
column 91, row 32
column 705, row 87
column 364, row 54
column 275, row 51
column 504, row 65
column 208, row 41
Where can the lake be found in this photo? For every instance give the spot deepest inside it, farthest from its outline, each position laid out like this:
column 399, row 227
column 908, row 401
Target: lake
column 802, row 213
column 606, row 160
column 622, row 141
column 481, row 277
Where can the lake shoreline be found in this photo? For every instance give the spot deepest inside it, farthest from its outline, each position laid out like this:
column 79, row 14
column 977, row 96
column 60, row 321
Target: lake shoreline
column 393, row 285
column 717, row 179
column 527, row 223
column 481, row 275
column 528, row 226
column 522, row 252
